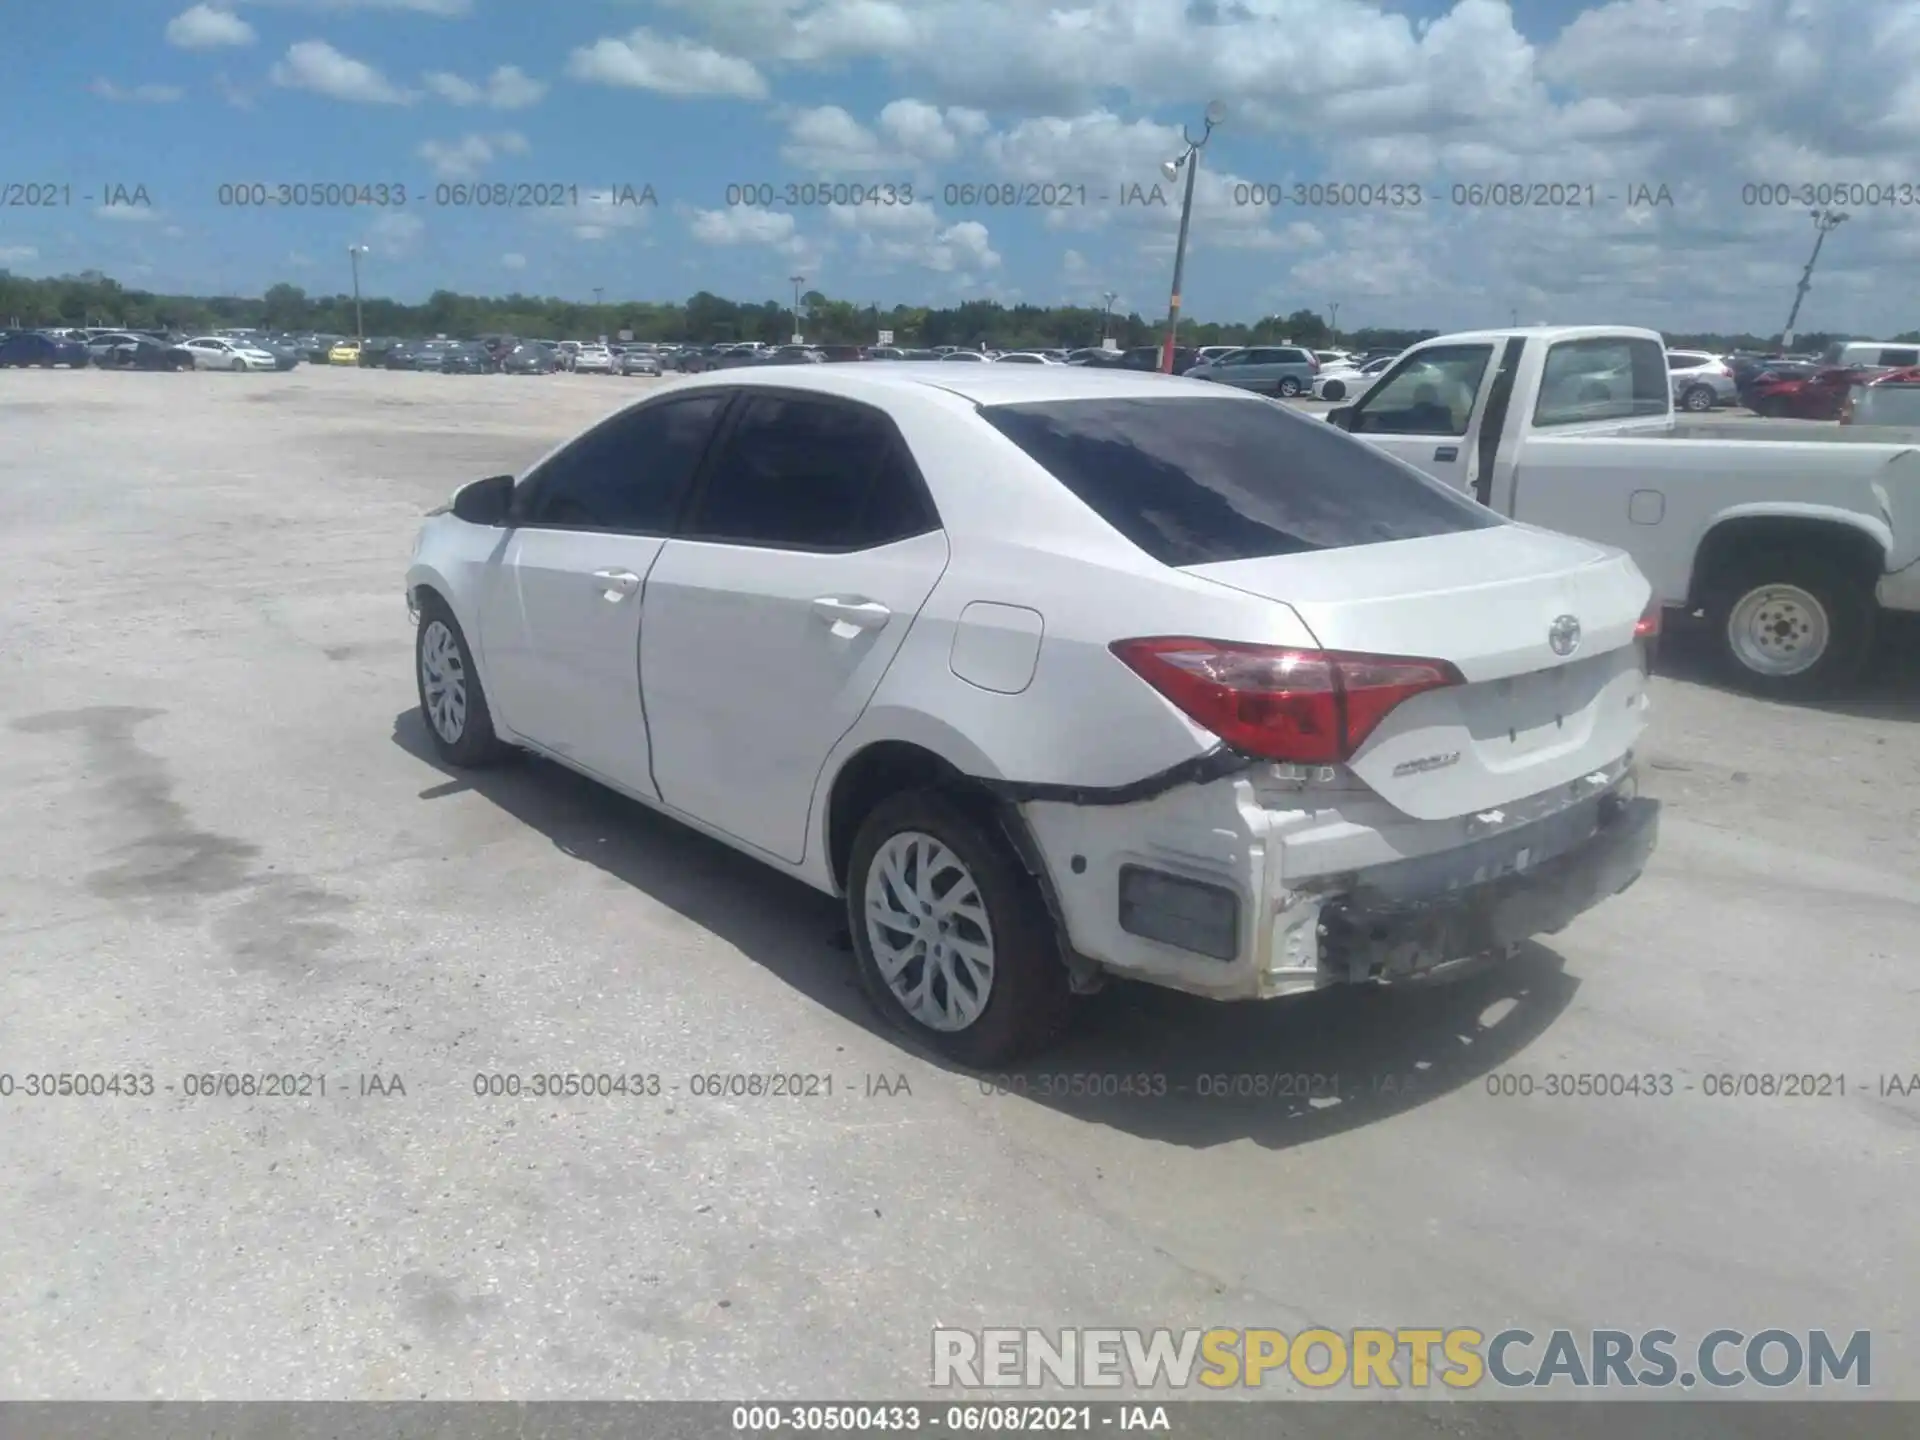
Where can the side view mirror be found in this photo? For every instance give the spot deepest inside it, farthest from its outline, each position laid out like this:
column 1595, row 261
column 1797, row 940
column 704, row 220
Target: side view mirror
column 484, row 502
column 1341, row 416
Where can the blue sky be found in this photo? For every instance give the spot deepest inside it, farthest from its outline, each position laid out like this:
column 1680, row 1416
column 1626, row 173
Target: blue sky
column 605, row 98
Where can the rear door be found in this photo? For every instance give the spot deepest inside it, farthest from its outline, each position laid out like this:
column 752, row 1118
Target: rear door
column 809, row 549
column 1422, row 410
column 560, row 616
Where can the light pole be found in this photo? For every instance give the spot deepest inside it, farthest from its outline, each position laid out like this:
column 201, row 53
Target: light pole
column 1190, row 161
column 1106, row 317
column 354, row 252
column 798, row 281
column 1334, row 323
column 1824, row 221
column 1513, row 317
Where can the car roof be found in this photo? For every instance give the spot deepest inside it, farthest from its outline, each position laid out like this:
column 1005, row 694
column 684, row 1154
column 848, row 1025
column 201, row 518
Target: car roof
column 875, row 380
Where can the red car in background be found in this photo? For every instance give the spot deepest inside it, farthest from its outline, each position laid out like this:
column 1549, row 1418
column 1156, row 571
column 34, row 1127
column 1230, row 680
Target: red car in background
column 1821, row 395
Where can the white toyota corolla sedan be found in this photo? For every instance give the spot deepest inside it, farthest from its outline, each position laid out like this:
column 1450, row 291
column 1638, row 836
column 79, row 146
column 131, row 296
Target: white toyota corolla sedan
column 1056, row 675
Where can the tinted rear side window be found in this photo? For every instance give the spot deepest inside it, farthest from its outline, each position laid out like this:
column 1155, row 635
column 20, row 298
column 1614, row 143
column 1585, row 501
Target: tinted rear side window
column 1196, row 480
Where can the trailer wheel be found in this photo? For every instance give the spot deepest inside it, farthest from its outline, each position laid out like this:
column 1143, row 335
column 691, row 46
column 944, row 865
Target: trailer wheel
column 1791, row 626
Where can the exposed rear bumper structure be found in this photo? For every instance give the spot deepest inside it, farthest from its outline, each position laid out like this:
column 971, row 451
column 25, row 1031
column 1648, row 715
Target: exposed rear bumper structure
column 1370, row 933
column 1213, row 888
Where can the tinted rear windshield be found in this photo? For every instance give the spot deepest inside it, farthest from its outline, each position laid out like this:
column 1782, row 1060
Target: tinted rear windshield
column 1194, row 480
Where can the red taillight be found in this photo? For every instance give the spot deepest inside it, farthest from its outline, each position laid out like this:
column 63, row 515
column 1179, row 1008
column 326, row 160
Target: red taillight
column 1647, row 627
column 1309, row 706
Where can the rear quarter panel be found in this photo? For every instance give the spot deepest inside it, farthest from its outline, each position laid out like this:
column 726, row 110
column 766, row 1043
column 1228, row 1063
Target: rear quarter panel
column 1658, row 497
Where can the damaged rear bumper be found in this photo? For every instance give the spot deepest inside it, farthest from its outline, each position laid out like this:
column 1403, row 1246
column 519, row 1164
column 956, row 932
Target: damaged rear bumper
column 1370, row 933
column 1236, row 887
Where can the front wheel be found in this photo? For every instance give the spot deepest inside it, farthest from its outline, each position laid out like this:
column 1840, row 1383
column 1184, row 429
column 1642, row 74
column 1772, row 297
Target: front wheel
column 1289, row 387
column 1333, row 390
column 451, row 700
column 1792, row 626
column 950, row 934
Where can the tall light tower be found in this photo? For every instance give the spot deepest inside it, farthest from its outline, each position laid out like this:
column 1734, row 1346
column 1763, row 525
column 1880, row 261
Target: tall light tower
column 1333, row 324
column 1106, row 318
column 354, row 252
column 1190, row 162
column 798, row 281
column 1824, row 222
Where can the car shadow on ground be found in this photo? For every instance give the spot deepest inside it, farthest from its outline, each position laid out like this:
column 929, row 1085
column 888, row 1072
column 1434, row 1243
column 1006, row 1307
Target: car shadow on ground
column 1139, row 1059
column 1889, row 688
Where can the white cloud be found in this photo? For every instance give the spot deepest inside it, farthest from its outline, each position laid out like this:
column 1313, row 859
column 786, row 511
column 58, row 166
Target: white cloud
column 742, row 225
column 508, row 88
column 669, row 65
column 315, row 65
column 451, row 9
column 513, row 261
column 466, row 157
column 204, row 28
column 17, row 254
column 908, row 137
column 900, row 237
column 127, row 214
column 395, row 234
column 136, row 94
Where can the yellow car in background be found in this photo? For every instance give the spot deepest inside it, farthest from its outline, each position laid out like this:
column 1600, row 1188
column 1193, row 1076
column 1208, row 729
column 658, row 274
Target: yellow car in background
column 347, row 352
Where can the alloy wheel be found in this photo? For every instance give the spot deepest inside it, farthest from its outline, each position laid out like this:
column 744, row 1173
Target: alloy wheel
column 928, row 929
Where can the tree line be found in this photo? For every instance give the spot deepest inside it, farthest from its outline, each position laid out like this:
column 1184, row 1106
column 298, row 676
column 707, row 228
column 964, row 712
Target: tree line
column 92, row 298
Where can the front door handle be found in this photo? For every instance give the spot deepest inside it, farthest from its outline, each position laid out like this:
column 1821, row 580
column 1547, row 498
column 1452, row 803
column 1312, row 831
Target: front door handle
column 615, row 585
column 849, row 617
column 1447, row 452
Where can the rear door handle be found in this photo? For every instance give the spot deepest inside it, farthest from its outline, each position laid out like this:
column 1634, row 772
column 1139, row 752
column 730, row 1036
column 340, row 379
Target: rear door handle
column 1447, row 452
column 616, row 585
column 850, row 617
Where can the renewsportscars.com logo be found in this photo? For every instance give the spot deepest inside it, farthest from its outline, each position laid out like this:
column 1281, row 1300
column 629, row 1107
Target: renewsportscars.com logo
column 1369, row 1358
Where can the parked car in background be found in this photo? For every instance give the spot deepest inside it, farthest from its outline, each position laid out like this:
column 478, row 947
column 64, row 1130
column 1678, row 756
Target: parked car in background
column 1025, row 357
column 1792, row 542
column 37, row 349
column 963, row 357
column 1870, row 355
column 1817, row 393
column 1351, row 381
column 375, row 350
column 1208, row 354
column 315, row 349
column 636, row 361
column 1286, row 370
column 565, row 352
column 98, row 342
column 1889, row 399
column 143, row 352
column 593, row 360
column 528, row 359
column 211, row 352
column 789, row 355
column 347, row 352
column 1013, row 808
column 286, row 354
column 841, row 354
column 468, row 358
column 1701, row 381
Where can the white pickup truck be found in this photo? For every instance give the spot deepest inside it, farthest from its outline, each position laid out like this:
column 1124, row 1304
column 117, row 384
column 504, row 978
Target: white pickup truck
column 1791, row 545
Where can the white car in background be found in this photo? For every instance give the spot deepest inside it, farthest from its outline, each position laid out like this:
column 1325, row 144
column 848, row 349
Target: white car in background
column 1700, row 381
column 210, row 352
column 1348, row 382
column 595, row 360
column 934, row 645
column 1024, row 357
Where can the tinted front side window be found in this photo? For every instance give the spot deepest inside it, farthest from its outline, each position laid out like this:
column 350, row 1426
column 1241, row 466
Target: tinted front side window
column 1605, row 378
column 1197, row 480
column 810, row 475
column 629, row 473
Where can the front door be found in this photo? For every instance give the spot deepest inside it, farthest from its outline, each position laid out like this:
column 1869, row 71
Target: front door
column 769, row 620
column 1422, row 411
column 560, row 624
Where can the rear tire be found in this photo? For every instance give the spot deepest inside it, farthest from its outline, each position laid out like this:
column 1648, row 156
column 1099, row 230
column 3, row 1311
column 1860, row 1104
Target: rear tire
column 926, row 874
column 1792, row 627
column 452, row 702
column 1289, row 387
column 1697, row 398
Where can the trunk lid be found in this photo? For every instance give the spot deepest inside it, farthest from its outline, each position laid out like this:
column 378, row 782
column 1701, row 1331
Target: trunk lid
column 1529, row 718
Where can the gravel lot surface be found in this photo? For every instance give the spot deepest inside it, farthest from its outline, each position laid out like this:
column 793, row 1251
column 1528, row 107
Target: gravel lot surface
column 228, row 851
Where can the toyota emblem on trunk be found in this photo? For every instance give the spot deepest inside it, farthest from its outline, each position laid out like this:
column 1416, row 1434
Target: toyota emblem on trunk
column 1564, row 635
